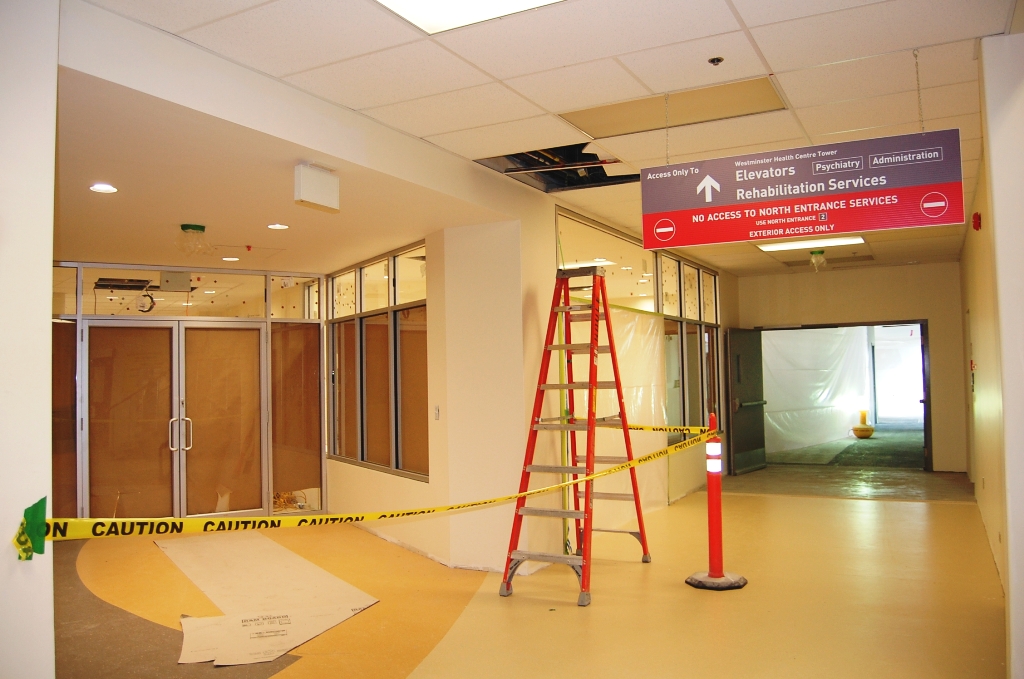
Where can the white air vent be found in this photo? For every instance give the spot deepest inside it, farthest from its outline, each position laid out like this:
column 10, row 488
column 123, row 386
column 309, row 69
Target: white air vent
column 316, row 186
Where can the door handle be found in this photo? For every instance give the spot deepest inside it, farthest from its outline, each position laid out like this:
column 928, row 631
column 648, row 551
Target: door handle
column 170, row 434
column 748, row 404
column 189, row 439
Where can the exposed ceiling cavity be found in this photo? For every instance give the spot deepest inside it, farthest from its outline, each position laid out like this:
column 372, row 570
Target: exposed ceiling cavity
column 562, row 168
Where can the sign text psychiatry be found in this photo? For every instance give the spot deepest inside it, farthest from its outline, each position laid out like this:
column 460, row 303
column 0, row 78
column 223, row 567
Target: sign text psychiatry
column 887, row 183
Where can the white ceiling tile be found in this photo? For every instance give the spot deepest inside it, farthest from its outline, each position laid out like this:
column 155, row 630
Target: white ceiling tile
column 970, row 149
column 579, row 86
column 718, row 138
column 585, row 30
column 948, row 64
column 970, row 168
column 288, row 36
column 869, row 133
column 602, row 196
column 969, row 125
column 876, row 29
column 760, row 12
column 951, row 100
column 685, row 65
column 410, row 71
column 531, row 134
column 177, row 16
column 890, row 109
column 855, row 79
column 459, row 110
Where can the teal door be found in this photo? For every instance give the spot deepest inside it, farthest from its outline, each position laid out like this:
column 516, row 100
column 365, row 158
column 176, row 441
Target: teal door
column 745, row 434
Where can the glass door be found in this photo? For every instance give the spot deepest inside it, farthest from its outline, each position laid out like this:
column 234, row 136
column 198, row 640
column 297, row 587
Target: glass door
column 132, row 431
column 222, row 397
column 176, row 418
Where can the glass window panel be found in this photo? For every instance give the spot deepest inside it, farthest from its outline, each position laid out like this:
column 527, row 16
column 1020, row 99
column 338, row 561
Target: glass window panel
column 346, row 402
column 65, row 419
column 65, row 291
column 710, row 310
column 694, row 388
column 669, row 287
column 129, row 411
column 412, row 276
column 344, row 298
column 222, row 398
column 691, row 302
column 294, row 297
column 710, row 348
column 375, row 286
column 135, row 292
column 412, row 374
column 629, row 269
column 295, row 390
column 673, row 378
column 377, row 390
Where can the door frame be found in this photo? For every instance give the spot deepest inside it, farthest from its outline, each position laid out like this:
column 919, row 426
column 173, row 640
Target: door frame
column 925, row 367
column 178, row 328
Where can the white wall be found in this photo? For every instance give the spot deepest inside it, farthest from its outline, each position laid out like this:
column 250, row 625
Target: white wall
column 28, row 117
column 873, row 296
column 1003, row 102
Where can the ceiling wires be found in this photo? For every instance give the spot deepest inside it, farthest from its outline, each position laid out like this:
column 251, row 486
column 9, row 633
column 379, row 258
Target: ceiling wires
column 920, row 106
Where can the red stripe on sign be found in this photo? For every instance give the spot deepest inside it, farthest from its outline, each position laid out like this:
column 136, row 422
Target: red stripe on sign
column 813, row 216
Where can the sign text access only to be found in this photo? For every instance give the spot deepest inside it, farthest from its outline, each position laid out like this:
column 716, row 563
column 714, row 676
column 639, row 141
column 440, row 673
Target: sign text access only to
column 887, row 183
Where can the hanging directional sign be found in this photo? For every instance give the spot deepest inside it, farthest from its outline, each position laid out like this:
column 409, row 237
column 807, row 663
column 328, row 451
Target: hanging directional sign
column 887, row 183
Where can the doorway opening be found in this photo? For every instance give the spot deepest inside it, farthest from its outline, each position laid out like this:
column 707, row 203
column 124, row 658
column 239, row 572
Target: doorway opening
column 851, row 396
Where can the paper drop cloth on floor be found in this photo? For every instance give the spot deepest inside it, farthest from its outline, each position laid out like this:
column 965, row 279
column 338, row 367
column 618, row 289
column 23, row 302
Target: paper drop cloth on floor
column 272, row 599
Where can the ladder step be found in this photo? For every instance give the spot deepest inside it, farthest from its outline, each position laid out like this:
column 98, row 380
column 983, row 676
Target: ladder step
column 584, row 318
column 555, row 469
column 613, row 421
column 574, row 307
column 578, row 426
column 551, row 513
column 578, row 348
column 578, row 385
column 581, row 272
column 608, row 496
column 568, row 559
column 610, row 459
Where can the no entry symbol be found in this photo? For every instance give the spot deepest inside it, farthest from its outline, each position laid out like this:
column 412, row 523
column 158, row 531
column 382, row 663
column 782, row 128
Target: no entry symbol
column 934, row 204
column 664, row 229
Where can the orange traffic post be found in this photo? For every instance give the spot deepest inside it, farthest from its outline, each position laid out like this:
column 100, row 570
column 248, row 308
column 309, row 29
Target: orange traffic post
column 715, row 576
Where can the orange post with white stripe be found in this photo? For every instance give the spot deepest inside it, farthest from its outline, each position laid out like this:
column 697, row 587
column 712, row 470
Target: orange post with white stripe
column 715, row 576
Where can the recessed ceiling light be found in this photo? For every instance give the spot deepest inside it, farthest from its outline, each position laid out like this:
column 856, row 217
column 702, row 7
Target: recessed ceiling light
column 715, row 61
column 230, row 259
column 810, row 244
column 277, row 227
column 210, row 292
column 103, row 188
column 444, row 15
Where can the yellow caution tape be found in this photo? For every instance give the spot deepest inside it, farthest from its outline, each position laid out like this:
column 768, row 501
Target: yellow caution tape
column 81, row 529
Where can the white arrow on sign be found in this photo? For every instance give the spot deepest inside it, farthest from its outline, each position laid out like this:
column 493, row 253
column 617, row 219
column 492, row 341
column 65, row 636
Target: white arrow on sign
column 706, row 185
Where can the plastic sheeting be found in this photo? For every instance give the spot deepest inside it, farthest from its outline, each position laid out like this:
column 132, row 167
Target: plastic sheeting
column 899, row 374
column 815, row 382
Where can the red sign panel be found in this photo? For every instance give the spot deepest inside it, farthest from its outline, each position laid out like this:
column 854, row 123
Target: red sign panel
column 890, row 183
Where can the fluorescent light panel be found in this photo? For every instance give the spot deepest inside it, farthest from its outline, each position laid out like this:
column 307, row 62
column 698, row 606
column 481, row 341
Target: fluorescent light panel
column 809, row 244
column 434, row 16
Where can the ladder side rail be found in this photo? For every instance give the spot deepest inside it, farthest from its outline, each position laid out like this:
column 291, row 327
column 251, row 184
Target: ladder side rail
column 531, row 442
column 572, row 411
column 625, row 423
column 596, row 297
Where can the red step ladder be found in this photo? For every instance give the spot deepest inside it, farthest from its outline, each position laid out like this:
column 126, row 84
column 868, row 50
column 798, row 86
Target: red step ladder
column 595, row 313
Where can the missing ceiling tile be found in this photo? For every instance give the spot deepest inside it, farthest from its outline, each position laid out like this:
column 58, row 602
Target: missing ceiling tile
column 563, row 168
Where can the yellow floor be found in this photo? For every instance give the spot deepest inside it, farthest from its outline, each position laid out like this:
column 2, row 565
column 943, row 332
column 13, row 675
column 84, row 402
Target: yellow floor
column 838, row 588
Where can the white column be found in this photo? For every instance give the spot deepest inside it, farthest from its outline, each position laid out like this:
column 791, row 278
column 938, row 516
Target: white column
column 1003, row 76
column 28, row 117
